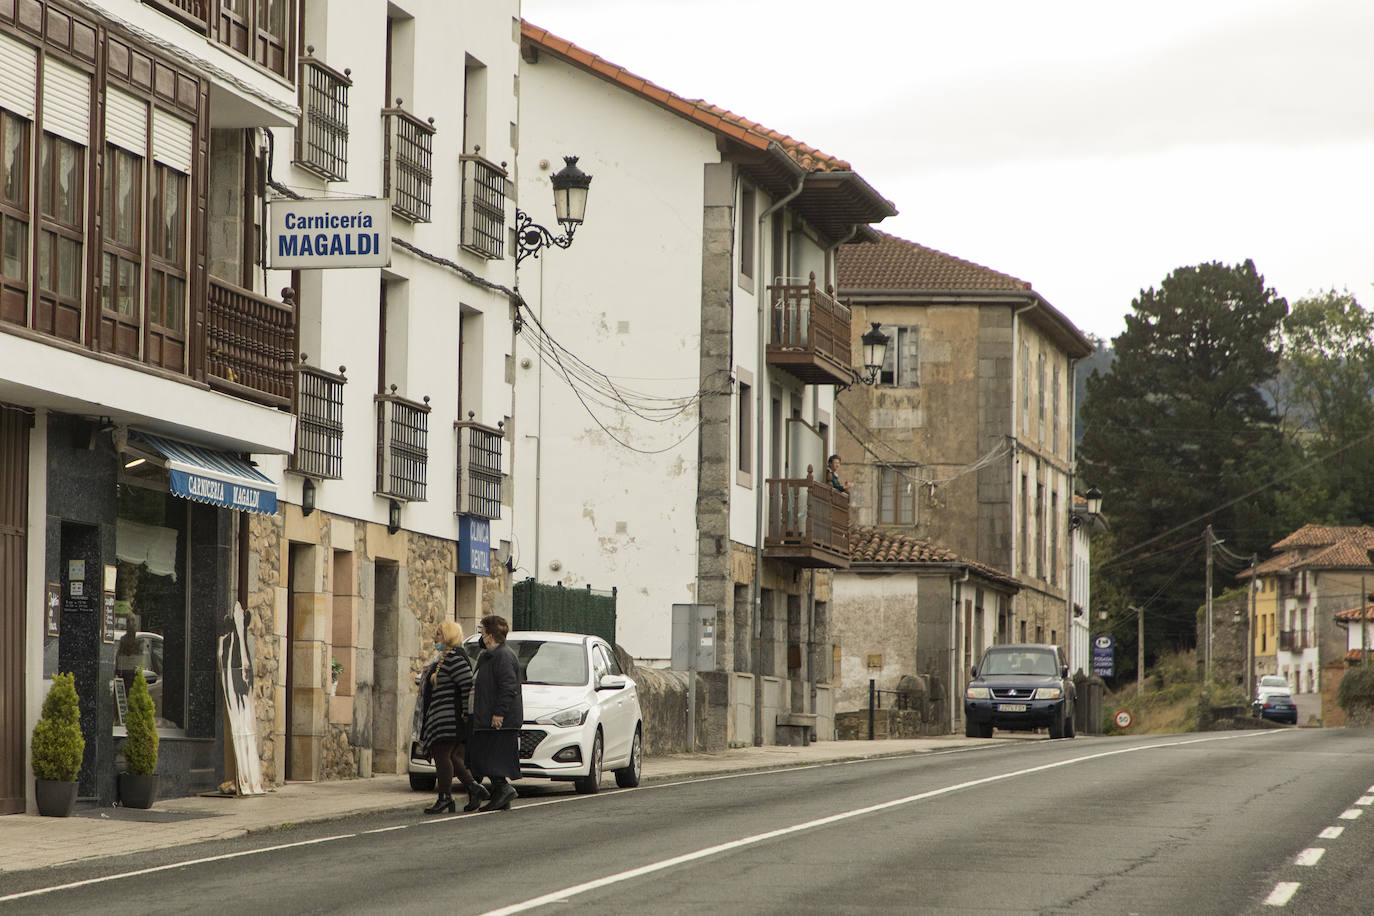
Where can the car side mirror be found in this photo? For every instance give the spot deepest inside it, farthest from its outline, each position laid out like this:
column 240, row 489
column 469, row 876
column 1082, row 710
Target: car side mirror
column 612, row 682
column 973, row 672
column 1064, row 671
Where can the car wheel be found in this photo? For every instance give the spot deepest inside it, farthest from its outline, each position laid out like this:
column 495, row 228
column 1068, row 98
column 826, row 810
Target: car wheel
column 1057, row 725
column 971, row 729
column 628, row 776
column 591, row 783
column 420, row 782
column 1069, row 728
column 985, row 730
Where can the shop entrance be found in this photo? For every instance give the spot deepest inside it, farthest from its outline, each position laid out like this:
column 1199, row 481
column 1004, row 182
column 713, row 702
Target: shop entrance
column 14, row 521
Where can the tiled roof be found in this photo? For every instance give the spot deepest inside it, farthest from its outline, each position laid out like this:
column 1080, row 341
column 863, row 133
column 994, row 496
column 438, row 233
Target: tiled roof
column 1354, row 613
column 894, row 263
column 1352, row 553
column 1325, row 535
column 713, row 117
column 1354, row 657
column 871, row 545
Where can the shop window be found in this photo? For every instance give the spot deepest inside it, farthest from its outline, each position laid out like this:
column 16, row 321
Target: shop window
column 151, row 620
column 14, row 217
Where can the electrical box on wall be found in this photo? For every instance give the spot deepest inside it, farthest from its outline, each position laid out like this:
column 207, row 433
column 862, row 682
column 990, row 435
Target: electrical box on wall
column 694, row 636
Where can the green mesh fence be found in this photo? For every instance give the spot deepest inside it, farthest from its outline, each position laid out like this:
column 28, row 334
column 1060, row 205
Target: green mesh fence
column 535, row 606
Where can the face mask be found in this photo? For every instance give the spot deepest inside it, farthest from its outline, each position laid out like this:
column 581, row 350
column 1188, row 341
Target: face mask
column 438, row 646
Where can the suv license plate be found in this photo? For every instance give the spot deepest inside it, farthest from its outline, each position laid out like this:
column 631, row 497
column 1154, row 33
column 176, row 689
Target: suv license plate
column 1011, row 707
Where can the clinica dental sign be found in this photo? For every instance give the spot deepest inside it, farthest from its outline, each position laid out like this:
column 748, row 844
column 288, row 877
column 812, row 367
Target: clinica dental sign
column 312, row 234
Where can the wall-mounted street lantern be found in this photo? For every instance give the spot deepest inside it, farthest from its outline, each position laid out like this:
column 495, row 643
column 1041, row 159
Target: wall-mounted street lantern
column 393, row 517
column 875, row 352
column 307, row 497
column 1094, row 498
column 569, row 207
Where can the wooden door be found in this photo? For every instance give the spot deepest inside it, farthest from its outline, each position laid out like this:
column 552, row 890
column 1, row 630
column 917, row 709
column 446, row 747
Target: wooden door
column 14, row 506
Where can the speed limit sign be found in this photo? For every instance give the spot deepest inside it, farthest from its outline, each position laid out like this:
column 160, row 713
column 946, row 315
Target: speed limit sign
column 1123, row 719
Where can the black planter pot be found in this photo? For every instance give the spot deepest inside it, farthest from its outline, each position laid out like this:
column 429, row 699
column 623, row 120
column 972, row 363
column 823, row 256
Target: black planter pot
column 55, row 798
column 137, row 791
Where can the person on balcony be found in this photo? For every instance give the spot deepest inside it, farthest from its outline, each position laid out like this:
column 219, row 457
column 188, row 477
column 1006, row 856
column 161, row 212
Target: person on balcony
column 832, row 474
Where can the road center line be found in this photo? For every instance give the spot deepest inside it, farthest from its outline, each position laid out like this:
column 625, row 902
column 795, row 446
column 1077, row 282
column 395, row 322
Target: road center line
column 1350, row 814
column 1282, row 893
column 1331, row 833
column 1310, row 856
column 561, row 896
column 148, row 871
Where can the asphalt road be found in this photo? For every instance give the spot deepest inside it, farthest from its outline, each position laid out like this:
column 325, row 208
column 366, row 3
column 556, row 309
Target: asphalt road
column 1215, row 823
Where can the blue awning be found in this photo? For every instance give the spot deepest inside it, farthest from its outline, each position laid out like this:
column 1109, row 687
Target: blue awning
column 210, row 476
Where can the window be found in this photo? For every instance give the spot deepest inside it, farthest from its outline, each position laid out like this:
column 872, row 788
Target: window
column 747, row 231
column 61, row 208
column 319, row 429
column 1040, row 412
column 901, row 366
column 402, row 447
column 1025, row 388
column 1054, row 417
column 1025, row 524
column 484, row 207
column 167, row 268
column 746, row 429
column 1054, row 539
column 14, row 218
column 896, row 497
column 257, row 29
column 1040, row 530
column 121, row 259
column 322, row 137
column 409, row 153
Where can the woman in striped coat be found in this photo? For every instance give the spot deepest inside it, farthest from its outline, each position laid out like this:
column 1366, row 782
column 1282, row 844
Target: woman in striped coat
column 444, row 694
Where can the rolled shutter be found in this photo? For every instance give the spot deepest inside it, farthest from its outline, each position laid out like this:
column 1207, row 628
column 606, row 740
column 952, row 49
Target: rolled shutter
column 66, row 102
column 126, row 121
column 173, row 140
column 18, row 77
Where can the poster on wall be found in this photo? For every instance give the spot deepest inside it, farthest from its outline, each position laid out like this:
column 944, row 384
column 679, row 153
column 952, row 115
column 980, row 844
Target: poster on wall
column 107, row 629
column 241, row 719
column 54, row 609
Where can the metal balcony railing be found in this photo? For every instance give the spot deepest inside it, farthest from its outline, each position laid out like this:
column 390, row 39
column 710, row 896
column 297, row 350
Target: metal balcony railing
column 807, row 523
column 480, row 478
column 409, row 161
column 319, row 423
column 322, row 137
column 484, row 207
column 809, row 333
column 250, row 344
column 402, row 447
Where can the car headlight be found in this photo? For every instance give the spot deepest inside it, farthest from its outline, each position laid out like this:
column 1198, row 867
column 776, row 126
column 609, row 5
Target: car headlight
column 977, row 693
column 567, row 718
column 1048, row 693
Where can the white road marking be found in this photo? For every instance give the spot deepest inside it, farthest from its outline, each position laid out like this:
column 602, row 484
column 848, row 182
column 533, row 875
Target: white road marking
column 1365, row 800
column 562, row 895
column 1351, row 814
column 148, row 871
column 1309, row 856
column 1282, row 893
column 1330, row 833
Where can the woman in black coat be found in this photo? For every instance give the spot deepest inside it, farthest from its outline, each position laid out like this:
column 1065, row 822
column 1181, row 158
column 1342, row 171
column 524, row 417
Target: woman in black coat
column 444, row 695
column 498, row 712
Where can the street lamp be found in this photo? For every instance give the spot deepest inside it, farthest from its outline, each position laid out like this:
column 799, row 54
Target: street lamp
column 1094, row 497
column 875, row 352
column 570, row 186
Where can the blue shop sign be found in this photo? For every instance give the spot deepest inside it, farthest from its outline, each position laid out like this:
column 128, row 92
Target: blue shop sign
column 1104, row 649
column 207, row 475
column 474, row 545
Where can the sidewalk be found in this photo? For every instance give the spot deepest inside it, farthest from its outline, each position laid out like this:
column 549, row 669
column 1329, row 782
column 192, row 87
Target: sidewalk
column 30, row 841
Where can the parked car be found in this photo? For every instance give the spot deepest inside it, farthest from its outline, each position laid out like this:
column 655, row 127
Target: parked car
column 1268, row 685
column 582, row 713
column 1019, row 687
column 1278, row 705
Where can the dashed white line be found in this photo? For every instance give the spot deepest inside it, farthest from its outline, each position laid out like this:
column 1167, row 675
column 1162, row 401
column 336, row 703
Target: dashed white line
column 1365, row 800
column 1351, row 814
column 1282, row 893
column 1310, row 856
column 1330, row 833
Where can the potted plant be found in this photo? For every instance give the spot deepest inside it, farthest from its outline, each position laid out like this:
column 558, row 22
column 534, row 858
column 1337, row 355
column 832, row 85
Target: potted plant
column 138, row 784
column 57, row 747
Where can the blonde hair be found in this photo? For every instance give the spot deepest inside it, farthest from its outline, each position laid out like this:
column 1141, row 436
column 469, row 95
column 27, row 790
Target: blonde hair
column 453, row 638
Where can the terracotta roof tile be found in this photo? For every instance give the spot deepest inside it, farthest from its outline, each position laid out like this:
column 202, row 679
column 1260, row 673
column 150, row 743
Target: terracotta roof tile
column 1354, row 613
column 1354, row 657
column 710, row 116
column 1325, row 536
column 1351, row 553
column 894, row 263
column 871, row 545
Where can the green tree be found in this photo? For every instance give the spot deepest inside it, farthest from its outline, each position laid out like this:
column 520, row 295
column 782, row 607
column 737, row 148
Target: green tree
column 1178, row 434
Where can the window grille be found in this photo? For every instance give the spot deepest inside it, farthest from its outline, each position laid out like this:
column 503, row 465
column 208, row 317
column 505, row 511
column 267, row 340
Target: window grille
column 479, row 470
column 484, row 207
column 409, row 155
column 319, row 427
column 402, row 447
column 322, row 137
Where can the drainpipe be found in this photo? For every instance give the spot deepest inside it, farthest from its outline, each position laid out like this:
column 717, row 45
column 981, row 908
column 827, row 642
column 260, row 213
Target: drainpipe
column 1071, row 381
column 956, row 675
column 760, row 390
column 1017, row 521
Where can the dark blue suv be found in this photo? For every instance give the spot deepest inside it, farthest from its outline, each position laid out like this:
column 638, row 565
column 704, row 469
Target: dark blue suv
column 1019, row 687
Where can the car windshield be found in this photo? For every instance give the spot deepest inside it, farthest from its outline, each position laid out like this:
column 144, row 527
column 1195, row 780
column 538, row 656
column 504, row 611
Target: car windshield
column 1039, row 664
column 560, row 664
column 1272, row 680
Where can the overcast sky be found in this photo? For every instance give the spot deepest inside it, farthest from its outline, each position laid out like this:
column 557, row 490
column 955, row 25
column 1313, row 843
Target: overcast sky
column 1086, row 147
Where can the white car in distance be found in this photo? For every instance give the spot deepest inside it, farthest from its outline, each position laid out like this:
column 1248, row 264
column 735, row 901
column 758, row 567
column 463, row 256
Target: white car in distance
column 582, row 714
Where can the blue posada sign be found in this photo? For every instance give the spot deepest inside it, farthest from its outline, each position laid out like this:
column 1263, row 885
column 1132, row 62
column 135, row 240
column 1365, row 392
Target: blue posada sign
column 474, row 545
column 1104, row 648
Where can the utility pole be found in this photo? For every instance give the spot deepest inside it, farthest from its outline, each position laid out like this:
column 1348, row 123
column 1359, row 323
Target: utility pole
column 1139, row 650
column 1364, row 624
column 1207, row 539
column 1250, row 631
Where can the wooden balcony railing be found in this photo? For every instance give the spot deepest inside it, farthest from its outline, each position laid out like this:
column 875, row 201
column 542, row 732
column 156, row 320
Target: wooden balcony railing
column 250, row 344
column 479, row 469
column 808, row 523
column 809, row 334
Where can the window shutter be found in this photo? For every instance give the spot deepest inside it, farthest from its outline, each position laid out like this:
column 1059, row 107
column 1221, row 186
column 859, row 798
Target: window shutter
column 66, row 102
column 173, row 140
column 910, row 367
column 18, row 77
column 126, row 121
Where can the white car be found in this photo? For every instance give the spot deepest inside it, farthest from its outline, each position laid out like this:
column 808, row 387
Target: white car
column 1268, row 685
column 582, row 713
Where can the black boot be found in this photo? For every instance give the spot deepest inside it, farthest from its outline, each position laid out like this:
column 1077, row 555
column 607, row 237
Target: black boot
column 505, row 794
column 441, row 804
column 477, row 793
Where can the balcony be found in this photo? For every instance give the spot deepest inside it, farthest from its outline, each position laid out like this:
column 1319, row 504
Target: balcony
column 808, row 523
column 402, row 447
column 319, row 426
column 250, row 344
column 809, row 334
column 322, row 136
column 409, row 164
column 484, row 207
column 479, row 469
